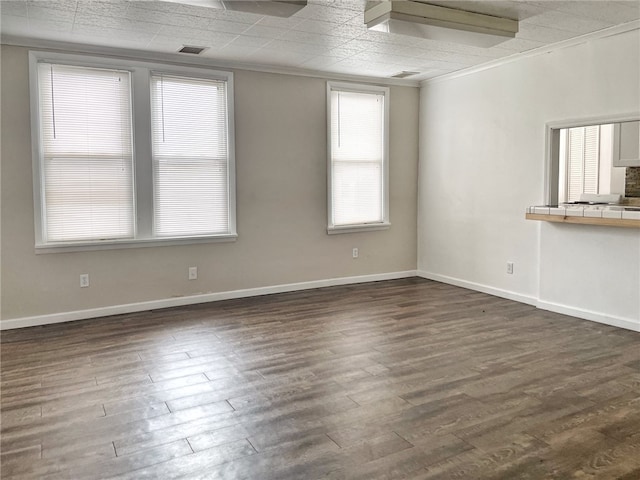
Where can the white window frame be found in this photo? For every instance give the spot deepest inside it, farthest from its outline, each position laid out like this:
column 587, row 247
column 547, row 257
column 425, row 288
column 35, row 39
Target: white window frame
column 143, row 166
column 354, row 228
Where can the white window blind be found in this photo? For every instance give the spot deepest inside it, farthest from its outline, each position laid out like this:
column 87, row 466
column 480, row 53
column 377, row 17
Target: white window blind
column 190, row 156
column 583, row 161
column 357, row 157
column 86, row 146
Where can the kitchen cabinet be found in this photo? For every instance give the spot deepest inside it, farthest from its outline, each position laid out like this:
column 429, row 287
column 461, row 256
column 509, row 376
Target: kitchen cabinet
column 626, row 144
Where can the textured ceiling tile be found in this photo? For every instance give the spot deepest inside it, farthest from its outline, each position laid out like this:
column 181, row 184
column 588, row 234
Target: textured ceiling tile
column 197, row 37
column 279, row 57
column 356, row 20
column 189, row 21
column 371, row 57
column 530, row 31
column 607, row 11
column 48, row 26
column 320, row 62
column 231, row 52
column 360, row 67
column 445, row 65
column 364, row 45
column 405, row 62
column 195, row 33
column 104, row 8
column 120, row 42
column 435, row 55
column 248, row 41
column 565, row 21
column 518, row 45
column 51, row 14
column 324, row 13
column 136, row 12
column 162, row 43
column 278, row 22
column 431, row 45
column 171, row 7
column 468, row 60
column 284, row 46
column 225, row 26
column 390, row 38
column 315, row 26
column 355, row 45
column 625, row 11
column 123, row 24
column 343, row 30
column 355, row 5
column 90, row 31
column 233, row 16
column 54, row 4
column 409, row 63
column 16, row 9
column 340, row 52
column 258, row 30
column 326, row 41
column 354, row 31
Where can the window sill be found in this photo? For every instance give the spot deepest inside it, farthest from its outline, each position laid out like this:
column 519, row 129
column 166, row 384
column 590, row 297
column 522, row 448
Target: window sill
column 333, row 230
column 122, row 244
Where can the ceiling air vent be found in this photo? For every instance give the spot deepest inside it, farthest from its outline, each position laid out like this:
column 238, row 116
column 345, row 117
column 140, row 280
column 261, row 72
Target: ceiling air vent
column 404, row 74
column 192, row 50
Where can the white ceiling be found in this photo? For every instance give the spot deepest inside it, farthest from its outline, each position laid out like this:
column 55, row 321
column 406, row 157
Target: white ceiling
column 327, row 35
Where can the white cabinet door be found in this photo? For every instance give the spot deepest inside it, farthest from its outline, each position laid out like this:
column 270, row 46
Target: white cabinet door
column 626, row 144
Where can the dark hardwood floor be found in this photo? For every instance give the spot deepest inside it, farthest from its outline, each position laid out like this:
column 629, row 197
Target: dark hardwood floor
column 404, row 379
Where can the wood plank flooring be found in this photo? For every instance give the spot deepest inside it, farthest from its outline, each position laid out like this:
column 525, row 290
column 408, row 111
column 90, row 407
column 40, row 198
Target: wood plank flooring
column 403, row 379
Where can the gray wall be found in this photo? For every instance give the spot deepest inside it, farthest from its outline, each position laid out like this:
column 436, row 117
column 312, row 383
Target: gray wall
column 281, row 207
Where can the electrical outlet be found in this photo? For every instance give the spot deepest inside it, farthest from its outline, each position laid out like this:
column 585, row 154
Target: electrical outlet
column 355, row 253
column 193, row 273
column 510, row 268
column 84, row 280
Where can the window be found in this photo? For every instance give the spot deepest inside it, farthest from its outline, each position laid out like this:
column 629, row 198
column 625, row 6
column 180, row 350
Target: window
column 583, row 161
column 190, row 156
column 358, row 157
column 586, row 163
column 130, row 153
column 87, row 155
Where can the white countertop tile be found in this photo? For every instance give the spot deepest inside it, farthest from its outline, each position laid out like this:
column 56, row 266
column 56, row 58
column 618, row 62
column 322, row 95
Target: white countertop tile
column 558, row 211
column 574, row 211
column 541, row 210
column 593, row 212
column 630, row 215
column 610, row 213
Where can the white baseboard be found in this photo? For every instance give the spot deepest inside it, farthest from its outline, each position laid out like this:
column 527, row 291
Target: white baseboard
column 497, row 292
column 592, row 316
column 195, row 299
column 22, row 322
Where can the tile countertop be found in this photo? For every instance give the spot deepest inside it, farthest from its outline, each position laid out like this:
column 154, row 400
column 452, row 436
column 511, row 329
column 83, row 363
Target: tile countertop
column 624, row 212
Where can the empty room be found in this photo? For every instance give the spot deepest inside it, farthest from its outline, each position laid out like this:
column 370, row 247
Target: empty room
column 337, row 239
